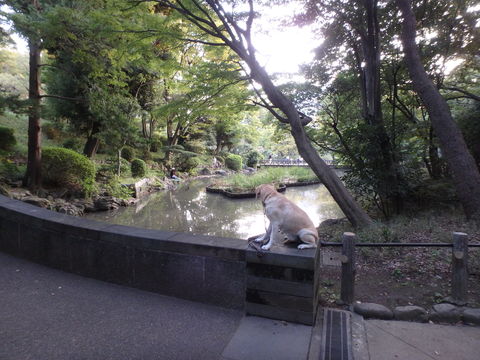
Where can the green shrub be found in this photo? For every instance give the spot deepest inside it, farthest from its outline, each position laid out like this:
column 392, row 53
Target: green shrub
column 7, row 139
column 253, row 157
column 156, row 143
column 189, row 164
column 11, row 171
column 128, row 153
column 233, row 162
column 69, row 169
column 73, row 144
column 116, row 189
column 146, row 154
column 51, row 131
column 111, row 167
column 139, row 168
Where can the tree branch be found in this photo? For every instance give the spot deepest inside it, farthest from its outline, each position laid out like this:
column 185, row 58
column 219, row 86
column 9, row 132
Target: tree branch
column 465, row 92
column 62, row 98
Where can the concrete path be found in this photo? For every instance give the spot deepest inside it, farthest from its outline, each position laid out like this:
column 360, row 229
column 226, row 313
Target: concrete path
column 266, row 339
column 47, row 314
column 400, row 340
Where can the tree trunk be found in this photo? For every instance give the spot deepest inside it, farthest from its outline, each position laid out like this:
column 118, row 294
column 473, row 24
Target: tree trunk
column 354, row 213
column 383, row 158
column 240, row 42
column 461, row 163
column 119, row 162
column 435, row 161
column 92, row 144
column 33, row 176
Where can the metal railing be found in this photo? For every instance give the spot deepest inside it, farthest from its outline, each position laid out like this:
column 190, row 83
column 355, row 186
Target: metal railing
column 290, row 162
column 459, row 247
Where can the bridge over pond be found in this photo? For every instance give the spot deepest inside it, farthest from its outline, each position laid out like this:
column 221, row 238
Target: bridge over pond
column 291, row 163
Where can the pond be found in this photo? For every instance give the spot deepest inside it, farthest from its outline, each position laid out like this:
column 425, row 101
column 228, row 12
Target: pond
column 189, row 208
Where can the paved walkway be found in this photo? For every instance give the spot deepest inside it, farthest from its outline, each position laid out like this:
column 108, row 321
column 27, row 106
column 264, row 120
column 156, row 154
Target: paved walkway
column 400, row 340
column 47, row 314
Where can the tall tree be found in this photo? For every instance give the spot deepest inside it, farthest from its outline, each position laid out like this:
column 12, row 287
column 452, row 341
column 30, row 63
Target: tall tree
column 224, row 26
column 26, row 14
column 464, row 170
column 352, row 33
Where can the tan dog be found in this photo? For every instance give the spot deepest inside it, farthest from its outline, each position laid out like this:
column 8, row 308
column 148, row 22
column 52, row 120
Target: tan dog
column 287, row 221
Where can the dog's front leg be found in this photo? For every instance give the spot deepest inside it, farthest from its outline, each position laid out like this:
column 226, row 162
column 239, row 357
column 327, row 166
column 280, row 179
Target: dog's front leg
column 272, row 231
column 265, row 237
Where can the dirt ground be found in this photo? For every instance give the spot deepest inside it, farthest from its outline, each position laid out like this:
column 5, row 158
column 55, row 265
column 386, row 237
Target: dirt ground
column 399, row 277
column 402, row 276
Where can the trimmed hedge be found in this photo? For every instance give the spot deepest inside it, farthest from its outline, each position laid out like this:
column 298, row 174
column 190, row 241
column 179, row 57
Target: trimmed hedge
column 233, row 162
column 68, row 169
column 7, row 139
column 139, row 168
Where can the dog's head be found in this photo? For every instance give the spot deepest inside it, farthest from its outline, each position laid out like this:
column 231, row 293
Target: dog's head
column 263, row 191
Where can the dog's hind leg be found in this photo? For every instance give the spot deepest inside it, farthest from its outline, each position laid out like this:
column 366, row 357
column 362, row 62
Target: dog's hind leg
column 308, row 238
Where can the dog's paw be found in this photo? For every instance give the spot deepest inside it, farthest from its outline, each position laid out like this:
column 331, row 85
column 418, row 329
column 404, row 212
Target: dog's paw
column 306, row 246
column 266, row 247
column 259, row 239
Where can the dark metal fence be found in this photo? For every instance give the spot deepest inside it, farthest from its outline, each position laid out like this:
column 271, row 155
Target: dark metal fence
column 459, row 247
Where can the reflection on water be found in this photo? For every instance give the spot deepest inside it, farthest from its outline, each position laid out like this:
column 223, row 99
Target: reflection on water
column 189, row 208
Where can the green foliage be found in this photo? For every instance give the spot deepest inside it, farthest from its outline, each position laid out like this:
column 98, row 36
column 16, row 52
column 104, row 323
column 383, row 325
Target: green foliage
column 115, row 188
column 111, row 166
column 51, row 131
column 139, row 168
column 13, row 74
column 7, row 139
column 68, row 169
column 11, row 171
column 146, row 154
column 156, row 143
column 276, row 176
column 75, row 144
column 233, row 162
column 128, row 153
column 189, row 164
column 253, row 157
column 468, row 121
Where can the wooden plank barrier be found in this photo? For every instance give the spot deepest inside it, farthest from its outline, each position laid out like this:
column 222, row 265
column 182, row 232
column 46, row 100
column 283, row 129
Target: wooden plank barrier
column 347, row 293
column 459, row 266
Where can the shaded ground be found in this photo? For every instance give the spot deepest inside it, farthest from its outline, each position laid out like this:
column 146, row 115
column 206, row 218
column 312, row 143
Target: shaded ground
column 404, row 276
column 47, row 314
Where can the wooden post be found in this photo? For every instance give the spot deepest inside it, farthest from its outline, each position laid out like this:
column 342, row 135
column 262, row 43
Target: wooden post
column 459, row 266
column 348, row 268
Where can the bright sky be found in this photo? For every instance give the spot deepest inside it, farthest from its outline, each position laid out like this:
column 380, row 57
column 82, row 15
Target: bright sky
column 279, row 48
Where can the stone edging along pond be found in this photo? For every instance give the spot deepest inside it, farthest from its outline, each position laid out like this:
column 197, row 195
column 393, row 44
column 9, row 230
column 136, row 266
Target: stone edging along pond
column 244, row 195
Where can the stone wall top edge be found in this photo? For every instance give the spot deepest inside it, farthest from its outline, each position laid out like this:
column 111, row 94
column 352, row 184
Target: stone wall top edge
column 31, row 215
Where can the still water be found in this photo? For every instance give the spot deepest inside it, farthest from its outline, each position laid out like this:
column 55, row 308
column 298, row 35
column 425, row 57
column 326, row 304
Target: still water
column 189, row 208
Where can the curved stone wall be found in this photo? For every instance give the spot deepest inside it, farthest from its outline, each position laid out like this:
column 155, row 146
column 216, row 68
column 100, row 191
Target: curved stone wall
column 199, row 268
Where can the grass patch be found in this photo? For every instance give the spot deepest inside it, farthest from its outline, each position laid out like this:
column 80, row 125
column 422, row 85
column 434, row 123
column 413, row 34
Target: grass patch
column 247, row 182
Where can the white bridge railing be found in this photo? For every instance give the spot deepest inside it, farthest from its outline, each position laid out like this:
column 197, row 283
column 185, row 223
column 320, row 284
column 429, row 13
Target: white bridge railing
column 290, row 162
